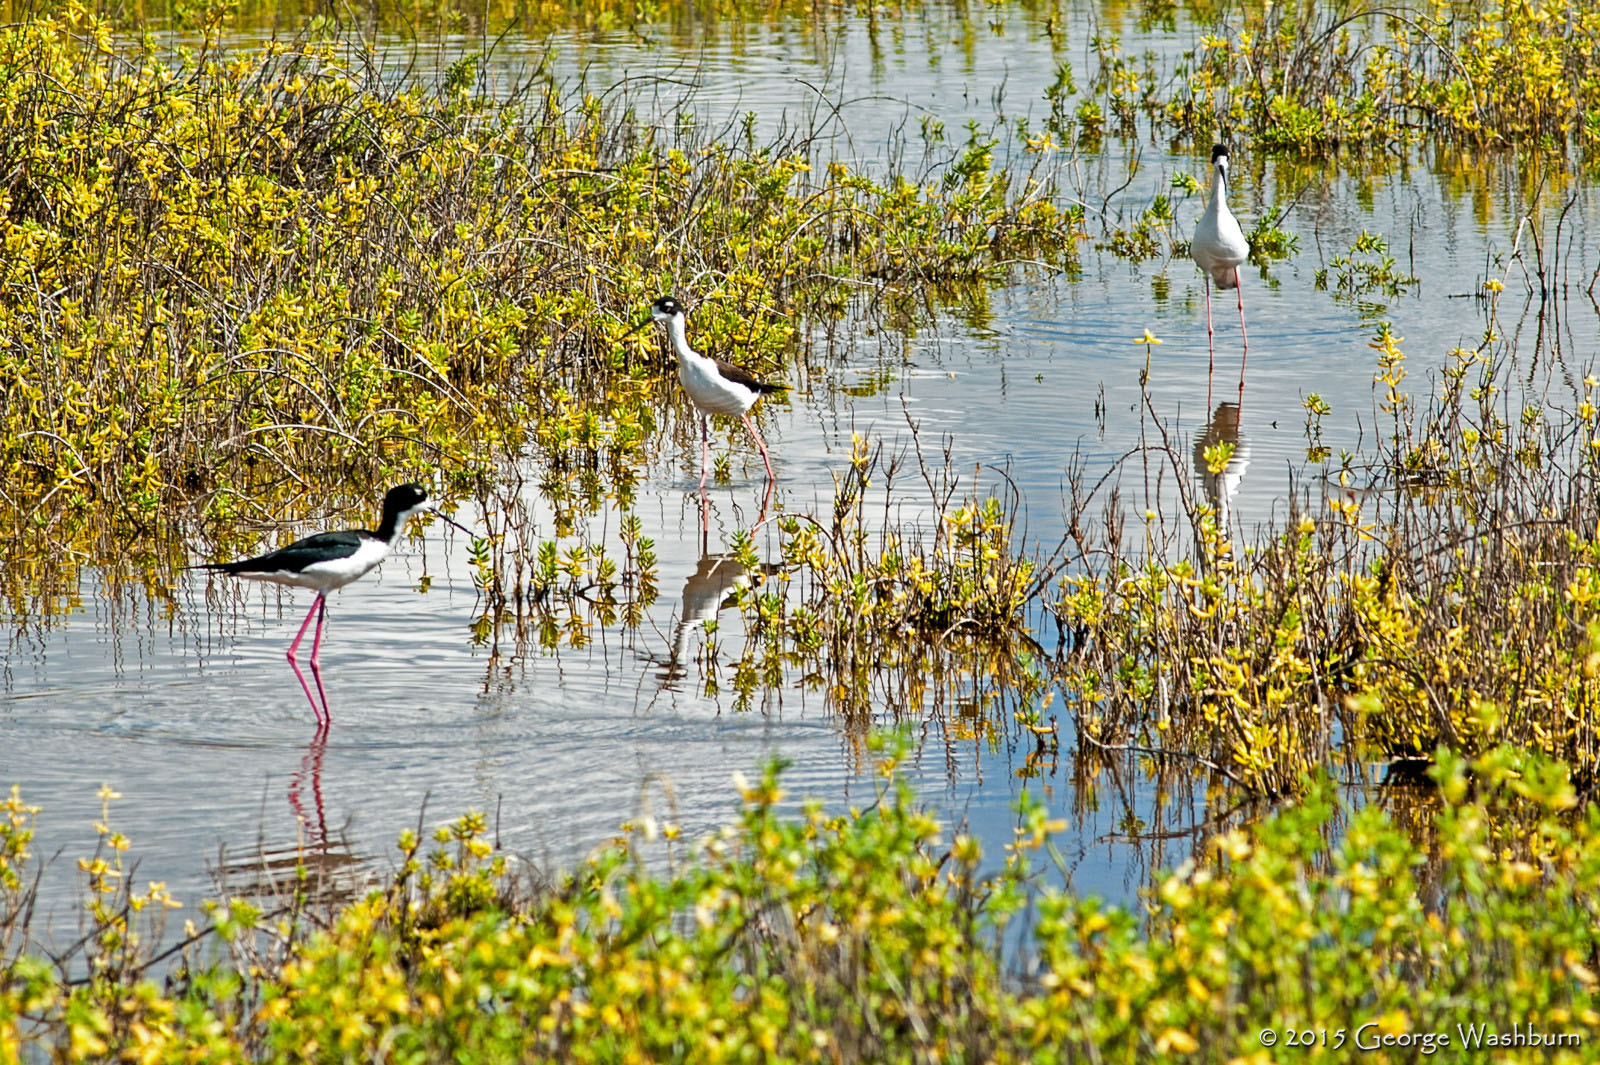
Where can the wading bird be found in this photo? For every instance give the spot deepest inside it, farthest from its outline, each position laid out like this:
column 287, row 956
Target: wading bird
column 329, row 561
column 714, row 386
column 1219, row 247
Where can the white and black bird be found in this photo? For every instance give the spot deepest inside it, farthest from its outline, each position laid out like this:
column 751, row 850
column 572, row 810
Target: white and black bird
column 714, row 386
column 1219, row 246
column 328, row 561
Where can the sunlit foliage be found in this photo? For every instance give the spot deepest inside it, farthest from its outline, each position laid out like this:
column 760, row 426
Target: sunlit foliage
column 879, row 934
column 231, row 270
column 1316, row 77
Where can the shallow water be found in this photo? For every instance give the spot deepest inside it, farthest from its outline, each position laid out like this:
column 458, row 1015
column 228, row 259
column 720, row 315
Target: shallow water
column 192, row 714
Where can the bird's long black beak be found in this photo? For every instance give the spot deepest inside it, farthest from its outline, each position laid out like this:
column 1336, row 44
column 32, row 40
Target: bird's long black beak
column 442, row 516
column 636, row 328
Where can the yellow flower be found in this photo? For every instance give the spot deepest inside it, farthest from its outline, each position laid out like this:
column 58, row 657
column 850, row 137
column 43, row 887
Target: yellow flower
column 1148, row 338
column 1176, row 1039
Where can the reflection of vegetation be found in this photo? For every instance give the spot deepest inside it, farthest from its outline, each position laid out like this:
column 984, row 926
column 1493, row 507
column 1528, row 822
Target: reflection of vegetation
column 702, row 18
column 873, row 935
column 1453, row 601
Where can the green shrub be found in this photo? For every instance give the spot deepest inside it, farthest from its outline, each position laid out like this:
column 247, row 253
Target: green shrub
column 879, row 934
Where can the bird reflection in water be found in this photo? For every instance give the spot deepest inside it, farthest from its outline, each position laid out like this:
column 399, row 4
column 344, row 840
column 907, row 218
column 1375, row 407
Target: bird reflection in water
column 707, row 592
column 1220, row 477
column 315, row 822
column 318, row 866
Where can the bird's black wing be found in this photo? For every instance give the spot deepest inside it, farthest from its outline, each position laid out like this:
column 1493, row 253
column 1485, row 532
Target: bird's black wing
column 740, row 376
column 298, row 555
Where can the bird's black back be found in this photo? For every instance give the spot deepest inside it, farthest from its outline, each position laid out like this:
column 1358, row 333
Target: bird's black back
column 298, row 555
column 740, row 376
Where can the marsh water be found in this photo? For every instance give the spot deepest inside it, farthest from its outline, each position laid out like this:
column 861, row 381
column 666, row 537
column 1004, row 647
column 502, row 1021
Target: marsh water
column 188, row 709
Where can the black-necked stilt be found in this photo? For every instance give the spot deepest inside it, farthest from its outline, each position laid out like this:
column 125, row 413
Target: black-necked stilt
column 714, row 385
column 329, row 561
column 1218, row 247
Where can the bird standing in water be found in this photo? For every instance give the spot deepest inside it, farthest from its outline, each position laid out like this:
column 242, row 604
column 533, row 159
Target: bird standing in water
column 1219, row 247
column 329, row 561
column 714, row 386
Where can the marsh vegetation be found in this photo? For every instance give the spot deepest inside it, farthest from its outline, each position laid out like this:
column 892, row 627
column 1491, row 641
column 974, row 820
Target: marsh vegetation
column 261, row 263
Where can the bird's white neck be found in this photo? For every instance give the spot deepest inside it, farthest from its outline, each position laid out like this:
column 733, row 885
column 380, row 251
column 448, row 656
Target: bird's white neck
column 1219, row 186
column 678, row 332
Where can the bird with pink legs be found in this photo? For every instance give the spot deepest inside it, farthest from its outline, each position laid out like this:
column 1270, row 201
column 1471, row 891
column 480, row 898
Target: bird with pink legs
column 713, row 385
column 1219, row 248
column 327, row 562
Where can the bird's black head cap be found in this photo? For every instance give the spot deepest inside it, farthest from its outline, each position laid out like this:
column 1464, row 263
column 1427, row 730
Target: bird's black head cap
column 404, row 497
column 666, row 307
column 399, row 503
column 1219, row 151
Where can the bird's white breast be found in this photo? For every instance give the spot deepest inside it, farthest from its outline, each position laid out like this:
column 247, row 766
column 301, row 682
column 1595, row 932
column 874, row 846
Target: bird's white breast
column 331, row 573
column 341, row 571
column 709, row 390
column 1219, row 244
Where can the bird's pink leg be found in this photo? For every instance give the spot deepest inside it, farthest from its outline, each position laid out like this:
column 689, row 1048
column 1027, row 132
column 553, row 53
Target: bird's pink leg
column 705, row 469
column 1211, row 335
column 762, row 444
column 295, row 665
column 766, row 502
column 316, row 645
column 1246, row 336
column 705, row 451
column 304, row 625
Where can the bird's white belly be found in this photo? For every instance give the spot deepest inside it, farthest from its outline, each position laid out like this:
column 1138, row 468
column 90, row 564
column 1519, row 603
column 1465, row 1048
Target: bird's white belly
column 1219, row 245
column 333, row 573
column 709, row 391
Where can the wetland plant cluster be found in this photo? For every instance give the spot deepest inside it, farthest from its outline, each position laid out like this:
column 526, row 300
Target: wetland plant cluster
column 874, row 935
column 1318, row 77
column 235, row 278
column 1441, row 595
column 233, row 274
